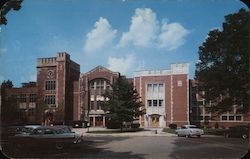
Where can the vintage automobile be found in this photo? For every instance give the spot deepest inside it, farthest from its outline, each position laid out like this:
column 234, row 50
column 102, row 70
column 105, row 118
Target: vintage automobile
column 237, row 131
column 189, row 130
column 59, row 137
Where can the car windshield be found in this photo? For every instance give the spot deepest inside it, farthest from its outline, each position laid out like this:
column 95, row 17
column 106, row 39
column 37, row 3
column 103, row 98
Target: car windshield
column 193, row 126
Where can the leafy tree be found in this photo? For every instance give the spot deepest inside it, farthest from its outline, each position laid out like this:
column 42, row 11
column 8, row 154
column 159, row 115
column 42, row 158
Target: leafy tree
column 123, row 104
column 6, row 6
column 223, row 68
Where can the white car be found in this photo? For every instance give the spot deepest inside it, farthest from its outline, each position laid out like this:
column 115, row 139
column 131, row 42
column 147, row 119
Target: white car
column 189, row 130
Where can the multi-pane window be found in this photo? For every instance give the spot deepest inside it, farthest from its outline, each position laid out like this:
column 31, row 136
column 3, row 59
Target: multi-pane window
column 155, row 95
column 92, row 105
column 33, row 98
column 230, row 117
column 149, row 103
column 99, row 105
column 99, row 86
column 22, row 98
column 31, row 112
column 238, row 117
column 224, row 117
column 50, row 85
column 50, row 99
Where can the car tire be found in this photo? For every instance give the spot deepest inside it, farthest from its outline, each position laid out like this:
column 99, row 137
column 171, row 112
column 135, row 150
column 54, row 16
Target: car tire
column 60, row 146
column 198, row 136
column 244, row 136
column 187, row 136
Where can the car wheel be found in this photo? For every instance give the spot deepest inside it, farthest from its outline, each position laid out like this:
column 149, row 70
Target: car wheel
column 199, row 136
column 187, row 136
column 59, row 146
column 244, row 136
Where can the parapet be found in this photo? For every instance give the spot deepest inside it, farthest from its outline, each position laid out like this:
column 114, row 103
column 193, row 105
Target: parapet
column 49, row 61
column 178, row 68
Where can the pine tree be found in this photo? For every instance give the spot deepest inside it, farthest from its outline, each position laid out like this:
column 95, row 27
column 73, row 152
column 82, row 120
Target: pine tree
column 122, row 103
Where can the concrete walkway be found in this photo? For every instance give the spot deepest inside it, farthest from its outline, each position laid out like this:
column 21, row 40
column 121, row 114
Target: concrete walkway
column 145, row 132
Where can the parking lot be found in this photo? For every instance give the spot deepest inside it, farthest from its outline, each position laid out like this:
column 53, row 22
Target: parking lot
column 141, row 147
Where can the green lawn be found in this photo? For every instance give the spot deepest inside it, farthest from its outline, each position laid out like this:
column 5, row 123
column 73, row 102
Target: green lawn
column 113, row 131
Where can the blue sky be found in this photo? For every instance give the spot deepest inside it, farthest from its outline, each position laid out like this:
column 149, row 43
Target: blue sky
column 122, row 35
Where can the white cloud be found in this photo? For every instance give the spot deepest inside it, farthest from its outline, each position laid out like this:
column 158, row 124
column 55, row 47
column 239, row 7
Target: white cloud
column 172, row 36
column 143, row 29
column 124, row 65
column 100, row 36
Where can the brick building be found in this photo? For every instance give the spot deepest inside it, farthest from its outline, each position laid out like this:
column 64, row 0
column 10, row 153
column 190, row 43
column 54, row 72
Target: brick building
column 200, row 114
column 58, row 86
column 93, row 85
column 165, row 94
column 22, row 102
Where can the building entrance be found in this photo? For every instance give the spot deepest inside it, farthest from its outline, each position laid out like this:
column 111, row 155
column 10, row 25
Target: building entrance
column 155, row 121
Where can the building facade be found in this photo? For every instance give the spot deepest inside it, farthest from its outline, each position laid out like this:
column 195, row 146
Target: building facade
column 165, row 95
column 58, row 87
column 201, row 114
column 93, row 85
column 22, row 102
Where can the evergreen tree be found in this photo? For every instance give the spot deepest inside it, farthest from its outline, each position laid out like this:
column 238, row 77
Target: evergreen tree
column 223, row 68
column 122, row 103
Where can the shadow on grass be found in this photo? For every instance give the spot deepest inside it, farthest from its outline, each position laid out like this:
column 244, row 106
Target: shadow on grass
column 88, row 149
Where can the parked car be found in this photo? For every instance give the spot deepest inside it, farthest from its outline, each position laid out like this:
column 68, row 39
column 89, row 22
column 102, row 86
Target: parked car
column 237, row 131
column 46, row 136
column 189, row 130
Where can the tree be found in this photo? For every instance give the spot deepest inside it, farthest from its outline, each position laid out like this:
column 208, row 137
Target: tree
column 223, row 68
column 6, row 6
column 123, row 104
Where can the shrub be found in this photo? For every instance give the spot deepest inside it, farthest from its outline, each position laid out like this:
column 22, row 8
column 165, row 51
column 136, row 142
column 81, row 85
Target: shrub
column 135, row 125
column 172, row 126
column 113, row 125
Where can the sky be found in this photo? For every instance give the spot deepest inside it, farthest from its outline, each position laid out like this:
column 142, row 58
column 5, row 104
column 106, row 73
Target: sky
column 121, row 35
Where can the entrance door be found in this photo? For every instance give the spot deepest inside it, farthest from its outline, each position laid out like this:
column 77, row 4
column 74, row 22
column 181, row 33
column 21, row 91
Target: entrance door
column 98, row 121
column 155, row 121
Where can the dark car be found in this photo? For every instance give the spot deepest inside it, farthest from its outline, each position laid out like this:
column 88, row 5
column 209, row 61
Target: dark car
column 46, row 136
column 237, row 131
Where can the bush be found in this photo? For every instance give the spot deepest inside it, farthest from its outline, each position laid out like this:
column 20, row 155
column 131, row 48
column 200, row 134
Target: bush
column 113, row 125
column 172, row 126
column 135, row 125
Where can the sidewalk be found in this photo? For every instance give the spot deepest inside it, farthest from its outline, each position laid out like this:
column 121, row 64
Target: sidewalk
column 145, row 132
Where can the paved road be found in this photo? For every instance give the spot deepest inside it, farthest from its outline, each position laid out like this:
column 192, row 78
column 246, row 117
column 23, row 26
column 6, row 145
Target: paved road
column 143, row 147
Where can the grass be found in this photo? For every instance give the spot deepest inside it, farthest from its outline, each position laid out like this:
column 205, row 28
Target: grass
column 168, row 130
column 208, row 131
column 116, row 131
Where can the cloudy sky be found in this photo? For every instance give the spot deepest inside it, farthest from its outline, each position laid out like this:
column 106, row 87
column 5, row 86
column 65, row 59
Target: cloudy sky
column 122, row 35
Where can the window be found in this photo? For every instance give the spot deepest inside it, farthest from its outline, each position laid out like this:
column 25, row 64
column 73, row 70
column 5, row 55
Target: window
column 32, row 97
column 160, row 102
column 224, row 117
column 238, row 117
column 179, row 83
column 91, row 105
column 50, row 99
column 155, row 95
column 99, row 105
column 149, row 103
column 231, row 117
column 155, row 103
column 50, row 85
column 22, row 98
column 207, row 118
column 31, row 112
